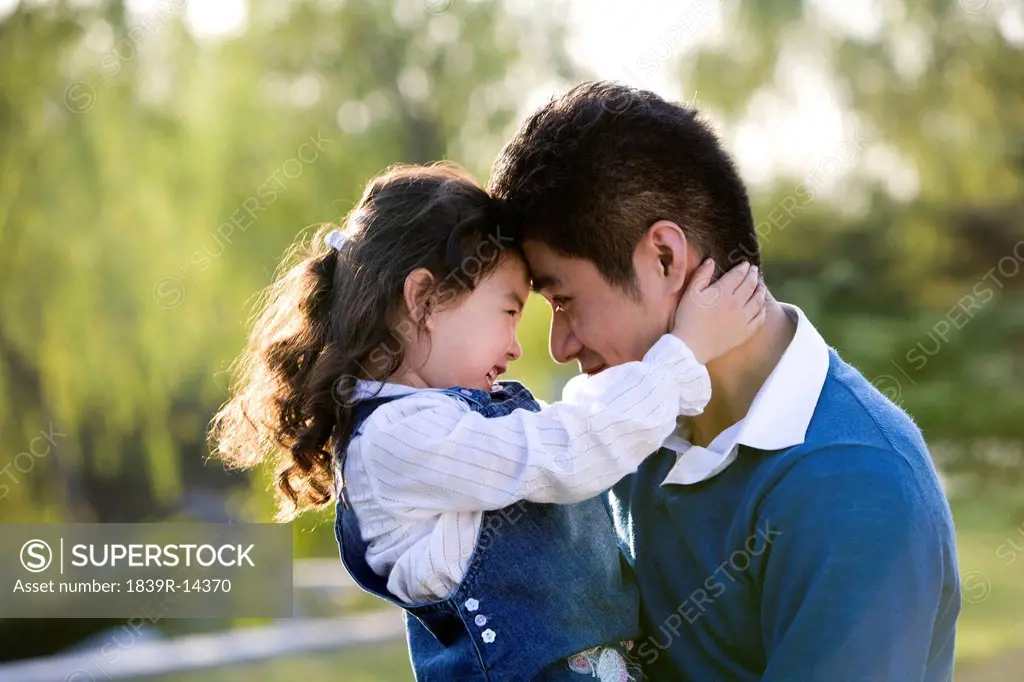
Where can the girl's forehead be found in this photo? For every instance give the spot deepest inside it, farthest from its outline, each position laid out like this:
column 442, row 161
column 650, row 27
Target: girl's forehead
column 516, row 268
column 510, row 276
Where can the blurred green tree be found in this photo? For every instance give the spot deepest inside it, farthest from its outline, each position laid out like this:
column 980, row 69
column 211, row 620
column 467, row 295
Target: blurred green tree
column 150, row 181
column 921, row 289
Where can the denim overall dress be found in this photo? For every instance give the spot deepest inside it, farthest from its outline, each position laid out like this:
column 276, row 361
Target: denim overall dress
column 546, row 585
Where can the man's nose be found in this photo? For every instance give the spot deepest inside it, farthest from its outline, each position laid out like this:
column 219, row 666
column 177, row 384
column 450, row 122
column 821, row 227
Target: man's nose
column 563, row 344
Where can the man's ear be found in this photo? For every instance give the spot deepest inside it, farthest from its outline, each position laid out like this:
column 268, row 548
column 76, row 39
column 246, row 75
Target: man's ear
column 416, row 293
column 676, row 258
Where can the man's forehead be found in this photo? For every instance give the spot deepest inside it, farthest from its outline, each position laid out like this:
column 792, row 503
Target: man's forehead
column 545, row 266
column 544, row 281
column 551, row 270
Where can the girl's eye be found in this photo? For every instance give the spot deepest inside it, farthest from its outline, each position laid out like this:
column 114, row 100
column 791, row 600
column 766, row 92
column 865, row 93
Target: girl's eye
column 512, row 313
column 559, row 303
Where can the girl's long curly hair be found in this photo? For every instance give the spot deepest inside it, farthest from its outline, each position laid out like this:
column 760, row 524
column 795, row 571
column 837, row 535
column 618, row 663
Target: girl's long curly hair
column 331, row 319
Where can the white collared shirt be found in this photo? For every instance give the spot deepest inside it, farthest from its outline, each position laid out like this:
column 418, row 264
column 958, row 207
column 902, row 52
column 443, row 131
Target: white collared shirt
column 423, row 470
column 778, row 416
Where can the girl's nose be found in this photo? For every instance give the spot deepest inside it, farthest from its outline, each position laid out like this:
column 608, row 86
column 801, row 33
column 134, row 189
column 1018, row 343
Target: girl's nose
column 516, row 350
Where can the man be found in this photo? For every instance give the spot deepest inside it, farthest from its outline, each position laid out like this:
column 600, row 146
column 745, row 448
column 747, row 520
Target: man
column 796, row 530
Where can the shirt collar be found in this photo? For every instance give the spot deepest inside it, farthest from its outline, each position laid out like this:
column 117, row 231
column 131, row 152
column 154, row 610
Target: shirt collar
column 366, row 389
column 382, row 389
column 782, row 410
column 779, row 415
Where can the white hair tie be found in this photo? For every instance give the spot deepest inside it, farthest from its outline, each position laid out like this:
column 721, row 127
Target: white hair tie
column 335, row 239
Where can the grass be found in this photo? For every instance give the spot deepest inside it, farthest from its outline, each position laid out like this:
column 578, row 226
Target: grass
column 990, row 528
column 990, row 637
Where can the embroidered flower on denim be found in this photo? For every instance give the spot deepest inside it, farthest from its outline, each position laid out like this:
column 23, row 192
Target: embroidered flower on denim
column 611, row 667
column 604, row 663
column 580, row 663
column 487, row 635
column 472, row 605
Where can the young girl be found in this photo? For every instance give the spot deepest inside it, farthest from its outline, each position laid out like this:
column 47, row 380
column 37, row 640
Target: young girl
column 372, row 372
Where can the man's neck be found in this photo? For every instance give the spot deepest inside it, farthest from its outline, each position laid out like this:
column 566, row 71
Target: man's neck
column 737, row 376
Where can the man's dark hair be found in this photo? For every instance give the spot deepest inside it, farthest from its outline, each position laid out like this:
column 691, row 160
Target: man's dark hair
column 589, row 172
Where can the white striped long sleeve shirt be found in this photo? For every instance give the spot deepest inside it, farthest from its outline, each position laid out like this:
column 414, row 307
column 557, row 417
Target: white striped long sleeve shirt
column 423, row 469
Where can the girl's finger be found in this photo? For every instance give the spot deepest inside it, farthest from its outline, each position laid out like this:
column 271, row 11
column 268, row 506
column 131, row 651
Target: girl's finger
column 759, row 319
column 703, row 274
column 732, row 279
column 748, row 284
column 756, row 300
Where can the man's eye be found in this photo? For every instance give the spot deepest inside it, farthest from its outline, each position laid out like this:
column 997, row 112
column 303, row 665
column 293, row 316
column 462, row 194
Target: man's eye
column 559, row 303
column 513, row 313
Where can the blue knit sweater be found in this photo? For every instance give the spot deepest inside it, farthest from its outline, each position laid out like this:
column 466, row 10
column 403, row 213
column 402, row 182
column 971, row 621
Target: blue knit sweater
column 831, row 561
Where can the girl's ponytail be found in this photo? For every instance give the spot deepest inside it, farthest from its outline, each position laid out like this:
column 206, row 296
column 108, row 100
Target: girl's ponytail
column 278, row 409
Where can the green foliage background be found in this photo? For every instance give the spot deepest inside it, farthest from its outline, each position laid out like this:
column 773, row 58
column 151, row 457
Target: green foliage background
column 151, row 180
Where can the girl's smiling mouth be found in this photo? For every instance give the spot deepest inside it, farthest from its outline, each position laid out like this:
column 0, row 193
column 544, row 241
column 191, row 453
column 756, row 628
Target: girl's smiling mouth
column 496, row 372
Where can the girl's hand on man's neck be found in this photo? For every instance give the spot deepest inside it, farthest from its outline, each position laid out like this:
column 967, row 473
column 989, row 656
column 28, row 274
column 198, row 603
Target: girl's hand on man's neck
column 737, row 376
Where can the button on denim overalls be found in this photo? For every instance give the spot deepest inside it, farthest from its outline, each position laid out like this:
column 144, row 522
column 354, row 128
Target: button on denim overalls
column 545, row 581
